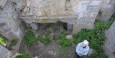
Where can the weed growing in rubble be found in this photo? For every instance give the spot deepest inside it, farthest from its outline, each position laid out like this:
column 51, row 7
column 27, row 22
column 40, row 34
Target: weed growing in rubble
column 29, row 38
column 23, row 55
column 43, row 39
column 3, row 40
column 63, row 41
column 14, row 42
column 46, row 37
column 114, row 53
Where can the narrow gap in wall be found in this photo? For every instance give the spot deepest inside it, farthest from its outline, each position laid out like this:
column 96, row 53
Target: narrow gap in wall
column 100, row 13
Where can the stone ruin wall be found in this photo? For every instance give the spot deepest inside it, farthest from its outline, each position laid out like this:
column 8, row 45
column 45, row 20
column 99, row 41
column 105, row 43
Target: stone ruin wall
column 79, row 13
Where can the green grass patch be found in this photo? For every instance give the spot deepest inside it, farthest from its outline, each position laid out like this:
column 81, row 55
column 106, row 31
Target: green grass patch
column 29, row 38
column 14, row 42
column 23, row 55
column 43, row 39
column 63, row 41
column 112, row 19
column 114, row 53
column 3, row 40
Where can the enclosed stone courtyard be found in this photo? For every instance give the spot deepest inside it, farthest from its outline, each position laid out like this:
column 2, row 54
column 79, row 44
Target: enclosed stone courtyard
column 53, row 28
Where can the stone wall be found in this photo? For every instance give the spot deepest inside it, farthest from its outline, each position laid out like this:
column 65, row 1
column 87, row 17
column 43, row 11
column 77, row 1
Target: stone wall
column 86, row 10
column 80, row 13
column 2, row 3
column 107, row 9
column 10, row 22
column 109, row 45
column 11, row 19
column 47, row 8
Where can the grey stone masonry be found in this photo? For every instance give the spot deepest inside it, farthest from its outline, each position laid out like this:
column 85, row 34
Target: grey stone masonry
column 80, row 13
column 2, row 3
column 109, row 45
column 107, row 9
column 4, row 53
column 10, row 24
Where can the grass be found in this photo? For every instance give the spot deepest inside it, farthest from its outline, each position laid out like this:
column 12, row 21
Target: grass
column 112, row 19
column 114, row 53
column 14, row 42
column 63, row 41
column 46, row 37
column 3, row 40
column 23, row 55
column 29, row 38
column 43, row 39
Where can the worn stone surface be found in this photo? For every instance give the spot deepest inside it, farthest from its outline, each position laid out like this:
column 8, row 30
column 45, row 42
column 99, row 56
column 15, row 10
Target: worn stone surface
column 109, row 45
column 4, row 53
column 34, row 26
column 19, row 4
column 2, row 3
column 10, row 23
column 87, row 10
column 10, row 17
column 47, row 8
column 107, row 9
column 91, row 51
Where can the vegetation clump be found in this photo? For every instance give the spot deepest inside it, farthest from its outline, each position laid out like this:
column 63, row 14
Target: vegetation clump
column 43, row 39
column 14, row 42
column 3, row 40
column 23, row 55
column 29, row 38
column 63, row 41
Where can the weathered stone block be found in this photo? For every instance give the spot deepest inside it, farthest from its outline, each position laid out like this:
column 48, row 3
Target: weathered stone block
column 109, row 45
column 2, row 3
column 107, row 9
column 4, row 53
column 34, row 26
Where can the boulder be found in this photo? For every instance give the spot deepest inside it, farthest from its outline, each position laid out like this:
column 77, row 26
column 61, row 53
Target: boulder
column 4, row 53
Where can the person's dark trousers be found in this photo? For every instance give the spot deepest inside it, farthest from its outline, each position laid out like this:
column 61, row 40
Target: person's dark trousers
column 77, row 56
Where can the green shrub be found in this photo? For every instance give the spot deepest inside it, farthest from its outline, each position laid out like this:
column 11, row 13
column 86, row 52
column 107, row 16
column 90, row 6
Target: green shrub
column 14, row 42
column 43, row 39
column 50, row 34
column 29, row 38
column 114, row 53
column 63, row 41
column 24, row 55
column 112, row 19
column 98, row 55
column 100, row 25
column 3, row 40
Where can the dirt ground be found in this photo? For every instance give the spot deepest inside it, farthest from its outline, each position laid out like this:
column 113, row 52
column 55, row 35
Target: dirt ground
column 52, row 50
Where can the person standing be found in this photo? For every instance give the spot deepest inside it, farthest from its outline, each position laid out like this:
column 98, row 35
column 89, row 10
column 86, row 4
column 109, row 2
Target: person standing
column 82, row 49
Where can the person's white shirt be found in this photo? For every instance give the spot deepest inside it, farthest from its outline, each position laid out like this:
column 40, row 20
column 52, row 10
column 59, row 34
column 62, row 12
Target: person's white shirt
column 82, row 51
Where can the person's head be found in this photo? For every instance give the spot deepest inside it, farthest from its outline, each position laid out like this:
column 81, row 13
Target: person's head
column 85, row 43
